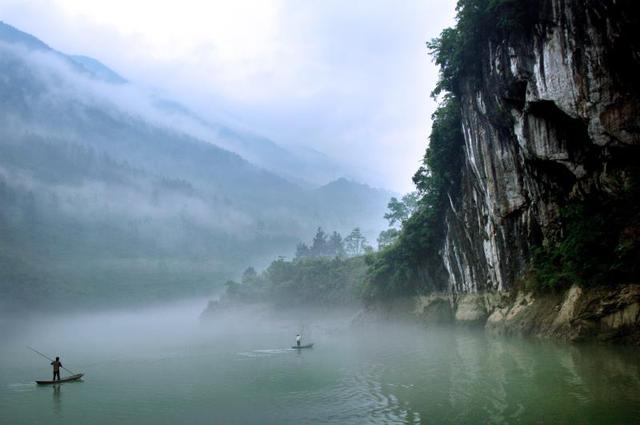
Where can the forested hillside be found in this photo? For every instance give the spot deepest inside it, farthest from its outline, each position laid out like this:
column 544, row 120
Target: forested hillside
column 105, row 200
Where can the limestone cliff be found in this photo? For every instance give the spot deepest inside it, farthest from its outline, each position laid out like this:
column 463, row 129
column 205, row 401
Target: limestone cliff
column 554, row 115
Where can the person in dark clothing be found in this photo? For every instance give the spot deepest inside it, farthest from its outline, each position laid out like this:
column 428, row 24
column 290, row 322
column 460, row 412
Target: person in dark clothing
column 56, row 368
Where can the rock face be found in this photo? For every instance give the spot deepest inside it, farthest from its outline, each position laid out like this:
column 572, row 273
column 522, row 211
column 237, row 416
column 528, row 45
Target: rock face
column 577, row 314
column 555, row 116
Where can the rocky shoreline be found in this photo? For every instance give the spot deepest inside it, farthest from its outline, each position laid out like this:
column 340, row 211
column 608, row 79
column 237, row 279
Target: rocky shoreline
column 578, row 314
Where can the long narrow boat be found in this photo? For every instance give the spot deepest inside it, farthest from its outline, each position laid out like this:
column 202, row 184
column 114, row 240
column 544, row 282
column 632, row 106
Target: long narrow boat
column 299, row 347
column 65, row 379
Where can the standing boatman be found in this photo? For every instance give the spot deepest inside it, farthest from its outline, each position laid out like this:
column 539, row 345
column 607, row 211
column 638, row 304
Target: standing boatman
column 298, row 338
column 56, row 368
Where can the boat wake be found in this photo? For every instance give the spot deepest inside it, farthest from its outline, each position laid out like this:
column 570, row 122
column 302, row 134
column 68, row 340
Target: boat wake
column 265, row 352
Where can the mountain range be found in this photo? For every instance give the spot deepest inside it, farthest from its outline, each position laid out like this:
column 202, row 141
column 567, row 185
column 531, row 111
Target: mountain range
column 109, row 193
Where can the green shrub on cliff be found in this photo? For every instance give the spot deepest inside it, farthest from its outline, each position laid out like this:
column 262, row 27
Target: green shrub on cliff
column 458, row 50
column 599, row 244
column 411, row 263
column 598, row 238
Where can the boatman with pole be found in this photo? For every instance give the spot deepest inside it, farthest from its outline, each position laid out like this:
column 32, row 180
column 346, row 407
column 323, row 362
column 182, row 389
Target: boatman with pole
column 56, row 368
column 57, row 365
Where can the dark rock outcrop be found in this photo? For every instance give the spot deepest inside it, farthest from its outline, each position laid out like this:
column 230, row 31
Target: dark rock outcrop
column 554, row 116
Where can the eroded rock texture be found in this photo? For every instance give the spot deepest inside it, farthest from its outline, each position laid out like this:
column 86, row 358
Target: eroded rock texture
column 554, row 116
column 579, row 315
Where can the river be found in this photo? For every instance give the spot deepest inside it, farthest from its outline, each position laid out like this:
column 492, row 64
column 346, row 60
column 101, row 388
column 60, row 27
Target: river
column 161, row 365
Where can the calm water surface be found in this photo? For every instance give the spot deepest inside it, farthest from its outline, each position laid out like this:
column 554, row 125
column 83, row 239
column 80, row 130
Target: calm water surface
column 162, row 366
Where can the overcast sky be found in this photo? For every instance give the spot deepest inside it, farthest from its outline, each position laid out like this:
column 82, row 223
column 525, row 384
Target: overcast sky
column 350, row 79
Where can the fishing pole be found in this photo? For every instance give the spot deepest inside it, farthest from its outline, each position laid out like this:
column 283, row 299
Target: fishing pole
column 50, row 359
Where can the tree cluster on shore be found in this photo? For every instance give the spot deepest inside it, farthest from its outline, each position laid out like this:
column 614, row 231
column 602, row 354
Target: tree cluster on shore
column 328, row 271
column 333, row 245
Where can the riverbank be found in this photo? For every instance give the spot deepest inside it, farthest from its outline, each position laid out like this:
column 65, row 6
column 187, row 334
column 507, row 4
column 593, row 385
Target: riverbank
column 600, row 314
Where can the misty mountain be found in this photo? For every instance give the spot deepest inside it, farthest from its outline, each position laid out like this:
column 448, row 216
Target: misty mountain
column 97, row 69
column 303, row 166
column 349, row 199
column 105, row 195
column 300, row 165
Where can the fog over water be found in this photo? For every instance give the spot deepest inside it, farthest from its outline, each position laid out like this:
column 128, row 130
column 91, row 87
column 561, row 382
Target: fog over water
column 163, row 365
column 247, row 151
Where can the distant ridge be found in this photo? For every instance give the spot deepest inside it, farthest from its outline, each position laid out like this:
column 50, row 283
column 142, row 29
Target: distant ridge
column 13, row 35
column 85, row 64
column 98, row 69
column 299, row 165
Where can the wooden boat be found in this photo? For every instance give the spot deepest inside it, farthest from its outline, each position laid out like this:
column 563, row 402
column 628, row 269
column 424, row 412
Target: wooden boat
column 65, row 379
column 299, row 347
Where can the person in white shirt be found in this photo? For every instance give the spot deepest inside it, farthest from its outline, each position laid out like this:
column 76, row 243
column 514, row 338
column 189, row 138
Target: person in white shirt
column 298, row 339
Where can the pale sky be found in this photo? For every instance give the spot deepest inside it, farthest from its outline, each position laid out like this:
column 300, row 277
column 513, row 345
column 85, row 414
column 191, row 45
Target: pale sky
column 350, row 79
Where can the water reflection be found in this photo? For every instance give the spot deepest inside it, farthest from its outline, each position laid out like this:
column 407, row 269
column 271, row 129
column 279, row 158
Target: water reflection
column 57, row 398
column 470, row 376
column 241, row 370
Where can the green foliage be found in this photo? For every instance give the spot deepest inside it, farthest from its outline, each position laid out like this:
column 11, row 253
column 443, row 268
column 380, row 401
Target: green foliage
column 323, row 245
column 234, row 290
column 112, row 208
column 355, row 243
column 599, row 245
column 302, row 250
column 319, row 242
column 401, row 210
column 410, row 264
column 387, row 237
column 328, row 273
column 391, row 273
column 442, row 162
column 399, row 268
column 319, row 281
column 336, row 245
column 599, row 239
column 315, row 281
column 458, row 51
column 249, row 276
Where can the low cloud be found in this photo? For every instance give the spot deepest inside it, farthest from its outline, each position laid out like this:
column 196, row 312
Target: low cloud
column 351, row 79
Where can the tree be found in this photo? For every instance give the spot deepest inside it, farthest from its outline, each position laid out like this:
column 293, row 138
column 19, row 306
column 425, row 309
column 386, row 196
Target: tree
column 413, row 264
column 355, row 243
column 401, row 210
column 319, row 246
column 458, row 51
column 387, row 237
column 302, row 250
column 335, row 245
column 233, row 290
column 249, row 276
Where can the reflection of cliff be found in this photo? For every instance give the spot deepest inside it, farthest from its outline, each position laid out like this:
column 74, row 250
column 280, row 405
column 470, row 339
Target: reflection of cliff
column 554, row 117
column 467, row 378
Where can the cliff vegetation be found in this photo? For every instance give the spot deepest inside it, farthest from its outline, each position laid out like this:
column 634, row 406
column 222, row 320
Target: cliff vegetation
column 526, row 180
